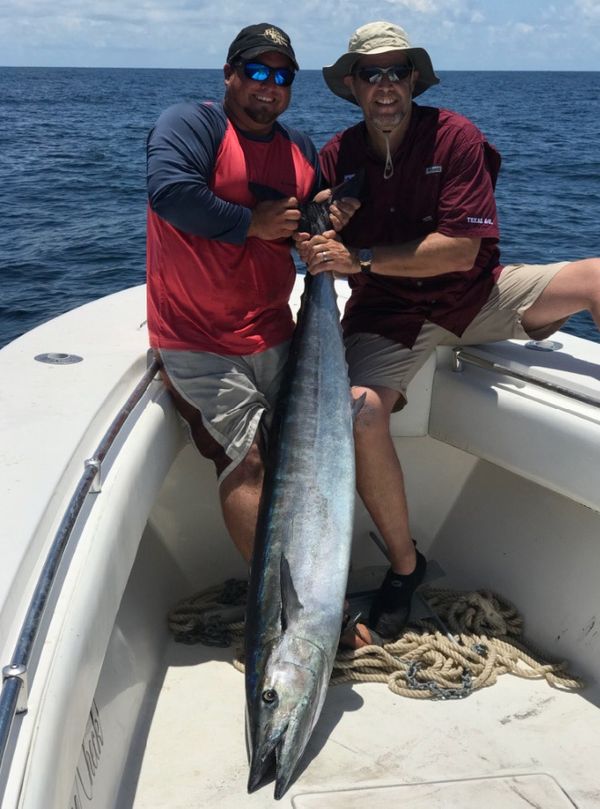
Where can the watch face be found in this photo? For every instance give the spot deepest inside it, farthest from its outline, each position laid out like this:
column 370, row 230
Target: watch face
column 365, row 254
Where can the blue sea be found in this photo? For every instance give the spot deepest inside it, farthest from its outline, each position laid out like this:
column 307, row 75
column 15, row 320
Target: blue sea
column 72, row 170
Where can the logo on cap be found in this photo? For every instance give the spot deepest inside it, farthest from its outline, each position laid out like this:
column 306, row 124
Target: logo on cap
column 276, row 36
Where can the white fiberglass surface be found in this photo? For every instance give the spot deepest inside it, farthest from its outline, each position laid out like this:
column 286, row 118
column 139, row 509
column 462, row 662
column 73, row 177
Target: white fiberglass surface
column 368, row 737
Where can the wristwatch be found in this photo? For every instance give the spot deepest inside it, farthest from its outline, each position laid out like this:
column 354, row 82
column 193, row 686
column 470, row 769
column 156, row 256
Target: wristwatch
column 365, row 258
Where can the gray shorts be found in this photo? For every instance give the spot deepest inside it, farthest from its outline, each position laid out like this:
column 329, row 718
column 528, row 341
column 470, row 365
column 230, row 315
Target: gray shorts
column 375, row 361
column 225, row 399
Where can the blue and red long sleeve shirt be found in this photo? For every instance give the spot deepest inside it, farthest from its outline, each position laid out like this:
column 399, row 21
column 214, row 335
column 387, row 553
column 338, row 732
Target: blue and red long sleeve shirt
column 209, row 287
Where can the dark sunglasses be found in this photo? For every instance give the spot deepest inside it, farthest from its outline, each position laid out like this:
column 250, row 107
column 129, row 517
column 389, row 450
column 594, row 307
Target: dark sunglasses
column 373, row 75
column 283, row 76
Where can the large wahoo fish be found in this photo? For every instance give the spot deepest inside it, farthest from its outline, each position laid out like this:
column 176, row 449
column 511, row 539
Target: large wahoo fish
column 300, row 564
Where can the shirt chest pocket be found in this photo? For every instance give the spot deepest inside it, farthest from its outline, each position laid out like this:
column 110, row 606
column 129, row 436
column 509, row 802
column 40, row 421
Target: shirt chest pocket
column 417, row 206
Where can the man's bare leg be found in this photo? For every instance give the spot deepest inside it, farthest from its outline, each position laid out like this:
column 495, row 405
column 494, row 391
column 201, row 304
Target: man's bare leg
column 380, row 483
column 379, row 477
column 573, row 289
column 240, row 496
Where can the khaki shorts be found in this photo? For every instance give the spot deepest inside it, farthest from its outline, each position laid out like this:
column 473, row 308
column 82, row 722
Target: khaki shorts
column 225, row 399
column 375, row 361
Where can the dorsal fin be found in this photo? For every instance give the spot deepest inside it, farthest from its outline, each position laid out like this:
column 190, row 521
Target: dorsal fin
column 290, row 603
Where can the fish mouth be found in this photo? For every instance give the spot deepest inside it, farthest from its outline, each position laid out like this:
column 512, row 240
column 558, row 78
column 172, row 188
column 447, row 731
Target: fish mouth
column 264, row 762
column 282, row 782
column 278, row 756
column 259, row 770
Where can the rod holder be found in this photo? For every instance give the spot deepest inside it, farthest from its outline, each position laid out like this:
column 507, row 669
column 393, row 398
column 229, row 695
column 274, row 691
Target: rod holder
column 18, row 672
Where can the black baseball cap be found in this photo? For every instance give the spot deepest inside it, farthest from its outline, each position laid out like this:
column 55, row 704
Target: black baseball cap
column 256, row 39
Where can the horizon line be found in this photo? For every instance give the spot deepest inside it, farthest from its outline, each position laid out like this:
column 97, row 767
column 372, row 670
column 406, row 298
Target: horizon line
column 302, row 70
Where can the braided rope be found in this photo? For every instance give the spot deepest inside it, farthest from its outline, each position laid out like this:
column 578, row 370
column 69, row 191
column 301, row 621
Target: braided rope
column 213, row 617
column 484, row 642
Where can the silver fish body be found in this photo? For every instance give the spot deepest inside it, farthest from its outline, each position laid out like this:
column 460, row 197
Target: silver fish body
column 302, row 550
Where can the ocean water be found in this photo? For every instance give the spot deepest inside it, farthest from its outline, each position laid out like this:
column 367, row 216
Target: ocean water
column 72, row 171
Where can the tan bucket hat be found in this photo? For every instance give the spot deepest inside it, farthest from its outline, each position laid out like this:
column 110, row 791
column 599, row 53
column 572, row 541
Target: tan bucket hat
column 378, row 37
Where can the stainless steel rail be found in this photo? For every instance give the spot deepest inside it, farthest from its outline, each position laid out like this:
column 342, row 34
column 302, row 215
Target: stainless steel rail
column 13, row 698
column 461, row 356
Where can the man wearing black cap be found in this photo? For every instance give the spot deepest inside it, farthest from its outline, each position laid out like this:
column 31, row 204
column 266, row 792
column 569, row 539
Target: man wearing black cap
column 224, row 183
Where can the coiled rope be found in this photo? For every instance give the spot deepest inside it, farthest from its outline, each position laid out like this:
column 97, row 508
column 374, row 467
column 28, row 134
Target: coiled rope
column 484, row 640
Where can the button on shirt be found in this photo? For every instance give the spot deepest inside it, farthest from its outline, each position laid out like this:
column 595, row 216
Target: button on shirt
column 443, row 181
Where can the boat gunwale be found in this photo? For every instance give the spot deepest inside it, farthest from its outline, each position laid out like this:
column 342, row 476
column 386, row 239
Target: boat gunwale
column 461, row 356
column 15, row 683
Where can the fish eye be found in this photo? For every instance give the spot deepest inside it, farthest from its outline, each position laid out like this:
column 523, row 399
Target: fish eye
column 269, row 695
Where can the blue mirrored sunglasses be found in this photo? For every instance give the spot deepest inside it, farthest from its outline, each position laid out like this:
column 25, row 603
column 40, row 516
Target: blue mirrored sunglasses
column 283, row 76
column 373, row 75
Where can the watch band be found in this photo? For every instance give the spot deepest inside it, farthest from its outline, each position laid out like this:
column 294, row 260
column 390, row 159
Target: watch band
column 365, row 259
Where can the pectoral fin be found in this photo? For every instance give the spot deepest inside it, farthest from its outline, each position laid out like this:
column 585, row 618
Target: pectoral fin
column 290, row 603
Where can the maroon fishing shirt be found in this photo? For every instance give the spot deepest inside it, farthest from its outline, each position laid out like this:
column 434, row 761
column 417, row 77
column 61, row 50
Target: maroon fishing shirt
column 443, row 181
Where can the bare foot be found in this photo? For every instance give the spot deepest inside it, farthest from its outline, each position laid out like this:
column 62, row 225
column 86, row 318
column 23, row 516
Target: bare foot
column 354, row 635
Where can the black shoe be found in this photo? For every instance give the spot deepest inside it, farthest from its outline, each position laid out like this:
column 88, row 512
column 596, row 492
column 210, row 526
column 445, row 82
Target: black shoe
column 391, row 607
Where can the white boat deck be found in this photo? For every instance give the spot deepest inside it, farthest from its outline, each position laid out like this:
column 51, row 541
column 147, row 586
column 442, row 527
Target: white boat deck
column 513, row 509
column 517, row 744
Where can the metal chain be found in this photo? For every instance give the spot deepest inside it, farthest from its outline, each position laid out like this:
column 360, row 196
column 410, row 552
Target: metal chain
column 438, row 691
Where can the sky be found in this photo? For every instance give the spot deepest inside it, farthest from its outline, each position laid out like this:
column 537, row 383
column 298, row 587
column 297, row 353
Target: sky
column 459, row 34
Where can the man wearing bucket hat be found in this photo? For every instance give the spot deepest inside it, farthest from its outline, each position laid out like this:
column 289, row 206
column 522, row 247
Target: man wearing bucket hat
column 224, row 186
column 423, row 264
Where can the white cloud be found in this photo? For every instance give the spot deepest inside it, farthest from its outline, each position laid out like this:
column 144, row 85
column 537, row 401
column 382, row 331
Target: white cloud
column 418, row 6
column 523, row 28
column 590, row 9
column 441, row 10
column 466, row 34
column 164, row 31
